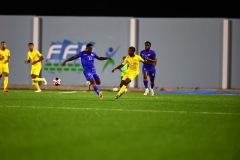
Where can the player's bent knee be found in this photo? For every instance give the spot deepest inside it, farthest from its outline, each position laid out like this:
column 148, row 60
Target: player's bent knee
column 98, row 82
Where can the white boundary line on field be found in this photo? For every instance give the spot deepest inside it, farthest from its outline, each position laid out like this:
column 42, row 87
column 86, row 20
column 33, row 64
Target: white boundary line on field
column 121, row 110
column 68, row 92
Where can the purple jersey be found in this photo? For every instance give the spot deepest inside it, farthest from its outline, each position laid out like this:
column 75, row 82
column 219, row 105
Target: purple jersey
column 151, row 55
column 87, row 60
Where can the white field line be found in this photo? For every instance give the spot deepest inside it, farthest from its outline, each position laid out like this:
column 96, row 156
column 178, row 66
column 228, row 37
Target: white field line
column 67, row 92
column 122, row 110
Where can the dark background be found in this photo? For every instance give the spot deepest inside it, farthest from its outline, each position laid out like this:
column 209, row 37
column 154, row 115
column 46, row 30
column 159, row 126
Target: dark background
column 128, row 9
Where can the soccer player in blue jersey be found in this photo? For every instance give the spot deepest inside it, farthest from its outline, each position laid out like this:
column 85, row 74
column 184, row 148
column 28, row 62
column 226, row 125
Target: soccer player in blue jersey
column 148, row 70
column 133, row 60
column 89, row 70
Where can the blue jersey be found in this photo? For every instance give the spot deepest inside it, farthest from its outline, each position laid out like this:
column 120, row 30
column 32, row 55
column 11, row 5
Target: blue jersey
column 151, row 55
column 87, row 60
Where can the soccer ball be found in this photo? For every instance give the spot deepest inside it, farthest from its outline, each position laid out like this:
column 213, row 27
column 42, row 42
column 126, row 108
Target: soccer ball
column 56, row 81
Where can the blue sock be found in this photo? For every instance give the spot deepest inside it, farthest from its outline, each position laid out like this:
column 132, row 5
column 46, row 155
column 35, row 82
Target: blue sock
column 152, row 85
column 145, row 82
column 96, row 89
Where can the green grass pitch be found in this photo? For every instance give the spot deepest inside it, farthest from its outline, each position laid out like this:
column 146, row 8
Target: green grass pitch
column 77, row 125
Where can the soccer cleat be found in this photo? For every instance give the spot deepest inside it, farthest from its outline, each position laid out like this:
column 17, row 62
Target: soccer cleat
column 152, row 92
column 5, row 90
column 146, row 92
column 89, row 85
column 121, row 94
column 38, row 91
column 44, row 81
column 117, row 96
column 100, row 95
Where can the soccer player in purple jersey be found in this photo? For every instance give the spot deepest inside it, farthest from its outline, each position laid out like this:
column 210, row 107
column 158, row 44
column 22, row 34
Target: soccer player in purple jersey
column 89, row 70
column 148, row 70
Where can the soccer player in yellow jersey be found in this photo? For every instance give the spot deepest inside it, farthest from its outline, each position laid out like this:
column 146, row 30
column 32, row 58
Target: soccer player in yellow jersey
column 133, row 60
column 4, row 69
column 36, row 57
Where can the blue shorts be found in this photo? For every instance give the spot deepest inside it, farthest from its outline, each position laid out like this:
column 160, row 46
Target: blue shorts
column 91, row 75
column 151, row 72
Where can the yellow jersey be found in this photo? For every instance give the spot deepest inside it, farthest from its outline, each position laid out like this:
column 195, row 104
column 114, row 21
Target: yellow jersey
column 133, row 63
column 4, row 54
column 34, row 56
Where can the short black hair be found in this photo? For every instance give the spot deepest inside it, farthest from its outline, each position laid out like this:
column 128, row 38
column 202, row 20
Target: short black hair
column 148, row 42
column 132, row 48
column 89, row 44
column 3, row 42
column 30, row 43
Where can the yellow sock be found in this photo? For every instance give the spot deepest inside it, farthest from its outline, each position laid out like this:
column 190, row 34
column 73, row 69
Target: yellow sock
column 36, row 85
column 5, row 82
column 38, row 79
column 122, row 89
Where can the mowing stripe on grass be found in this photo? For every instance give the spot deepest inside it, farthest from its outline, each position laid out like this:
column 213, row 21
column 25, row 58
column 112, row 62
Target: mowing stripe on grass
column 123, row 110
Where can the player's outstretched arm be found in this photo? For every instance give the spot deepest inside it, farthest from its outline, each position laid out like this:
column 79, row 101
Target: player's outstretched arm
column 104, row 58
column 118, row 67
column 69, row 59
